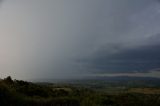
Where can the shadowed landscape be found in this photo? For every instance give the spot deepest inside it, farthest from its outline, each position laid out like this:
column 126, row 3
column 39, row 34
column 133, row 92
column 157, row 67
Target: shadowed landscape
column 22, row 93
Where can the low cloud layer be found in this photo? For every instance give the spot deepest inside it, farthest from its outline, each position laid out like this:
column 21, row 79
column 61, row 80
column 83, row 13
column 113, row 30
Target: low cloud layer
column 135, row 59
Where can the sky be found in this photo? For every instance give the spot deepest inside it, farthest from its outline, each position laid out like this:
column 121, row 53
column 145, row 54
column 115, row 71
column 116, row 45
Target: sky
column 76, row 38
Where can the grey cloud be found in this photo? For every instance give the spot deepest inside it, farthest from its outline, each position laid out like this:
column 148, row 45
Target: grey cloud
column 138, row 59
column 69, row 38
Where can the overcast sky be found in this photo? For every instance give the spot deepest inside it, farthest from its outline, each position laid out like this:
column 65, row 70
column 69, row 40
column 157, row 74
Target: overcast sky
column 74, row 38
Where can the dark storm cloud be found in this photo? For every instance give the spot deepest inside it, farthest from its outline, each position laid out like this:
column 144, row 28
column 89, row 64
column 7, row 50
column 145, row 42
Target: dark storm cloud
column 136, row 59
column 140, row 59
column 130, row 43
